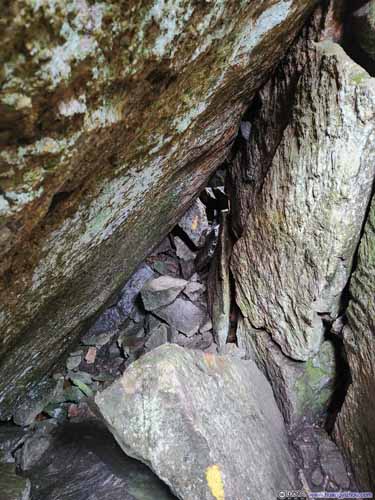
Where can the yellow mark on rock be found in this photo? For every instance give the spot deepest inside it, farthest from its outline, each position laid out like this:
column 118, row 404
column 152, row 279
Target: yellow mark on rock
column 215, row 482
column 194, row 223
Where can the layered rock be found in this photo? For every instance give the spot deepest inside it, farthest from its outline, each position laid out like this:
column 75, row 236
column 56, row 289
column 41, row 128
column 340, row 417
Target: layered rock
column 112, row 119
column 207, row 425
column 304, row 181
column 355, row 425
column 303, row 391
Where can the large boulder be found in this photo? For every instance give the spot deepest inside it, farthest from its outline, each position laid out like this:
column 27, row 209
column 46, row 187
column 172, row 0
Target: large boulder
column 355, row 425
column 303, row 186
column 113, row 116
column 206, row 425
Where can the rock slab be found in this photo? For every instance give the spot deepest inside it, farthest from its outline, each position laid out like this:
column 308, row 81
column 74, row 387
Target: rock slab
column 303, row 195
column 355, row 425
column 207, row 425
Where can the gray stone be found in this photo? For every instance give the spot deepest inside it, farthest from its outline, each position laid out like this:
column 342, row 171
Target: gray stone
column 231, row 349
column 12, row 486
column 183, row 252
column 182, row 315
column 194, row 290
column 212, row 417
column 11, row 437
column 194, row 223
column 161, row 291
column 355, row 425
column 33, row 449
column 42, row 393
column 98, row 339
column 219, row 286
column 158, row 336
column 205, row 254
column 302, row 207
column 303, row 391
column 131, row 290
column 206, row 327
column 317, row 477
column 363, row 27
column 332, row 463
column 73, row 362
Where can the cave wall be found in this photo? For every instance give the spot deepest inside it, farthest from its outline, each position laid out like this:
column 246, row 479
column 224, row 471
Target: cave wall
column 113, row 115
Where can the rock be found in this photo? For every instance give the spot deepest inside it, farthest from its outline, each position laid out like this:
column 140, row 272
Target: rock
column 90, row 356
column 206, row 327
column 195, row 224
column 12, row 486
column 194, row 290
column 161, row 292
column 301, row 206
column 187, row 268
column 183, row 252
column 98, row 339
column 11, row 437
column 131, row 290
column 223, row 426
column 45, row 391
column 167, row 266
column 112, row 122
column 355, row 424
column 73, row 362
column 84, row 462
column 158, row 334
column 233, row 350
column 182, row 315
column 219, row 287
column 303, row 391
column 333, row 464
column 205, row 254
column 317, row 477
column 33, row 449
column 363, row 27
column 164, row 247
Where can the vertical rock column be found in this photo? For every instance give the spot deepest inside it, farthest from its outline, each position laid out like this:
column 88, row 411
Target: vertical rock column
column 355, row 425
column 303, row 194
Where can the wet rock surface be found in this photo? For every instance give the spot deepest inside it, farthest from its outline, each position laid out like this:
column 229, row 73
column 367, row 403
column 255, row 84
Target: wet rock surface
column 183, row 410
column 83, row 462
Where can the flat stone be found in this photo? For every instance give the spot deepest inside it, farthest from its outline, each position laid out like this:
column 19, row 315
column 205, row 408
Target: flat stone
column 194, row 290
column 224, row 429
column 195, row 224
column 33, row 449
column 98, row 339
column 182, row 315
column 161, row 291
column 11, row 437
column 158, row 336
column 12, row 486
column 332, row 463
column 183, row 252
column 73, row 362
column 90, row 356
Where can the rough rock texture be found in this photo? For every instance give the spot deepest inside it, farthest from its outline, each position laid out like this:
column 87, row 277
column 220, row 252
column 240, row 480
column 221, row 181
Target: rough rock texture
column 355, row 425
column 12, row 486
column 113, row 116
column 206, row 425
column 161, row 291
column 302, row 391
column 363, row 26
column 83, row 462
column 219, row 288
column 303, row 188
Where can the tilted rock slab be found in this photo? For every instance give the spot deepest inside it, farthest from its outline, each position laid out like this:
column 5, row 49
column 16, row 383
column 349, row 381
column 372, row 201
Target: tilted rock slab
column 355, row 425
column 306, row 191
column 207, row 425
column 112, row 118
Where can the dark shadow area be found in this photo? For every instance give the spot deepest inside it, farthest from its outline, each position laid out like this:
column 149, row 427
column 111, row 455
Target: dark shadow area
column 84, row 462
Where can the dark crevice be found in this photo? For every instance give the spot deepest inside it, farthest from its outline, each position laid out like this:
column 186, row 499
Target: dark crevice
column 57, row 199
column 342, row 382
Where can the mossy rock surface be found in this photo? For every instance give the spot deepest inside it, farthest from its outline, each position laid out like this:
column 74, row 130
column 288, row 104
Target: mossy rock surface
column 113, row 116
